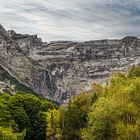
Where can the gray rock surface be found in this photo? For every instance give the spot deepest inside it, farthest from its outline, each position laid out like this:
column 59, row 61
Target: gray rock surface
column 59, row 70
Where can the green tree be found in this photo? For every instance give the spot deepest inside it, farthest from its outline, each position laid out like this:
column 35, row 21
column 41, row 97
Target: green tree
column 25, row 111
column 115, row 115
column 8, row 134
column 53, row 130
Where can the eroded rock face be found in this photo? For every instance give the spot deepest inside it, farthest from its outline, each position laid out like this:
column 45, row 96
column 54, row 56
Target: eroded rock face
column 59, row 70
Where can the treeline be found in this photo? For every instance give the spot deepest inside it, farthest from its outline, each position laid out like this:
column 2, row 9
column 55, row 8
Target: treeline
column 110, row 112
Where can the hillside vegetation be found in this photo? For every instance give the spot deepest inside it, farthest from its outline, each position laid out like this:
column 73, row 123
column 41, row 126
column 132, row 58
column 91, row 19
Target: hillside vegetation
column 110, row 112
column 23, row 116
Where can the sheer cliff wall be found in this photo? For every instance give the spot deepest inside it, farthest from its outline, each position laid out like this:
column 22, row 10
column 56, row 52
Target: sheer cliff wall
column 61, row 69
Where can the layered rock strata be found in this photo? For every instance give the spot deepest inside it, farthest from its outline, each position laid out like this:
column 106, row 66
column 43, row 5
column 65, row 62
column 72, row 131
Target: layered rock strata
column 61, row 69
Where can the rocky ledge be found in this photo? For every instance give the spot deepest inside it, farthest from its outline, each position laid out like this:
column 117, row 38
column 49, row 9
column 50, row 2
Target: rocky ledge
column 59, row 70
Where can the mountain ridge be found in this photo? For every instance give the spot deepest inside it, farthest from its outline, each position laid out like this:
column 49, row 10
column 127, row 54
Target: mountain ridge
column 59, row 70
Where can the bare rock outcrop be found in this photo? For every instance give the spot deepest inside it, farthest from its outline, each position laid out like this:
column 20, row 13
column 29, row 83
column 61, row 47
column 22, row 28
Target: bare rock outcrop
column 59, row 70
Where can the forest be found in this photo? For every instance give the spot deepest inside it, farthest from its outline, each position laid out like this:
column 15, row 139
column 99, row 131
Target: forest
column 106, row 112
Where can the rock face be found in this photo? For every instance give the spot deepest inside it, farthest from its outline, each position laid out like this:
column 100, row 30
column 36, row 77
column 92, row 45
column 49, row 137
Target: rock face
column 59, row 70
column 9, row 84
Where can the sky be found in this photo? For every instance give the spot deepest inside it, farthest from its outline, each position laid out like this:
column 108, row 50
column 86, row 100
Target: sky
column 77, row 20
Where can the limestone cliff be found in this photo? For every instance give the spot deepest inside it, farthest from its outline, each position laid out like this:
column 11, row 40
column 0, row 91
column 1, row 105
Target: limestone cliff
column 59, row 70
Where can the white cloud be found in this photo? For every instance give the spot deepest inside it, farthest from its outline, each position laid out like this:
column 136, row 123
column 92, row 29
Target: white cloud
column 73, row 19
